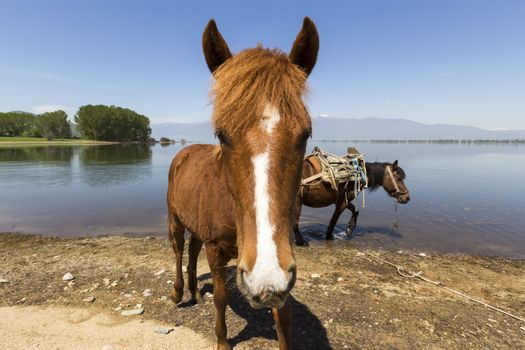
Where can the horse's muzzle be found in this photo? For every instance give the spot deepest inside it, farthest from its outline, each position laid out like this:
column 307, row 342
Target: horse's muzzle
column 268, row 297
column 403, row 198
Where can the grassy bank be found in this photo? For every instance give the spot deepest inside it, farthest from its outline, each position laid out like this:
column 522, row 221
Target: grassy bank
column 9, row 141
column 342, row 298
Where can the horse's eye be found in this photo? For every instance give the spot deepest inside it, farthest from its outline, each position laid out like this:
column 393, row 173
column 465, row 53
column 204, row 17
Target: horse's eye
column 223, row 139
column 306, row 135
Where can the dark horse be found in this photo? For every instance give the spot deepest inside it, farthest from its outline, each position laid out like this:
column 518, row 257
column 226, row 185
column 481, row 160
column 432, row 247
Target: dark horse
column 320, row 194
column 236, row 198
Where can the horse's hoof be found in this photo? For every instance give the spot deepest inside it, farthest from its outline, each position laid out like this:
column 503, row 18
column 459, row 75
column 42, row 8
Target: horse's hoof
column 329, row 237
column 176, row 296
column 198, row 298
column 224, row 346
column 302, row 244
column 349, row 231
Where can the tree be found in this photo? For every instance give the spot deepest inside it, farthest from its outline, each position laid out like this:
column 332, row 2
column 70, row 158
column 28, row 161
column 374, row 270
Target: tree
column 52, row 125
column 16, row 123
column 111, row 123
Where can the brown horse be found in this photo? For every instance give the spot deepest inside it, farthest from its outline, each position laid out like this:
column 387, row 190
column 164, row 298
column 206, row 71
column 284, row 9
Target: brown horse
column 236, row 198
column 320, row 194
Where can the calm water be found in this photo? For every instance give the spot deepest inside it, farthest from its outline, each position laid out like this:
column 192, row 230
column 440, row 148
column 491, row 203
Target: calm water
column 464, row 198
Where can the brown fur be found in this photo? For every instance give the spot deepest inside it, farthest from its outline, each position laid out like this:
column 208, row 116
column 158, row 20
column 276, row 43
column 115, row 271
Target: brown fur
column 251, row 79
column 211, row 190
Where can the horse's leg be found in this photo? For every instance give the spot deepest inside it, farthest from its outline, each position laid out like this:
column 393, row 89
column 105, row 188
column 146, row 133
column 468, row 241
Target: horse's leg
column 353, row 220
column 339, row 208
column 283, row 324
column 195, row 246
column 218, row 262
column 299, row 239
column 176, row 234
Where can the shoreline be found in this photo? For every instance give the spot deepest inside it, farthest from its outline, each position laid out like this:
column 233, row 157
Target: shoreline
column 342, row 297
column 56, row 143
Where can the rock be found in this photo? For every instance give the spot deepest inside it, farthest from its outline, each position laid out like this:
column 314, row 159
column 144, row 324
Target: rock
column 169, row 282
column 127, row 295
column 315, row 275
column 147, row 293
column 422, row 254
column 68, row 277
column 208, row 295
column 163, row 298
column 4, row 280
column 163, row 330
column 108, row 347
column 184, row 269
column 89, row 299
column 160, row 272
column 339, row 279
column 132, row 312
column 106, row 281
column 522, row 328
column 114, row 284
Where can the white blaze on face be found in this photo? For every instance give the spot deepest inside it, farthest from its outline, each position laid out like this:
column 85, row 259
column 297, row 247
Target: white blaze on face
column 266, row 273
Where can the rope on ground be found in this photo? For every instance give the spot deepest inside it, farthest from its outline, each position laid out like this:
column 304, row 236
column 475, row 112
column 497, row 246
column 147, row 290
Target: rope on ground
column 410, row 274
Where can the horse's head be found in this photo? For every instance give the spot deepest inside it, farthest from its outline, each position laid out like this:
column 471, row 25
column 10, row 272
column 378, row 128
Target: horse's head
column 262, row 125
column 393, row 183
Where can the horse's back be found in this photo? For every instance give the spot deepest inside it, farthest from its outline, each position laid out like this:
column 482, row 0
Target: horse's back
column 197, row 192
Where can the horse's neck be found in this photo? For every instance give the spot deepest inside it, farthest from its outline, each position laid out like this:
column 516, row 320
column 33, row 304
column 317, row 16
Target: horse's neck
column 375, row 173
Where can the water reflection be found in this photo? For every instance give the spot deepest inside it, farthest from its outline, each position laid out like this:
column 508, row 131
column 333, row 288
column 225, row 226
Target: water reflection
column 129, row 164
column 37, row 154
column 43, row 166
column 132, row 154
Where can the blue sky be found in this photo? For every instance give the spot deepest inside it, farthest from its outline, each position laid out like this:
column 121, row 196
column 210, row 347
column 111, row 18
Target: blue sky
column 460, row 62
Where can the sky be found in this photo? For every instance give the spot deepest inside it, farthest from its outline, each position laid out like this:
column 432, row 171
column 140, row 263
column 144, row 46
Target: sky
column 433, row 61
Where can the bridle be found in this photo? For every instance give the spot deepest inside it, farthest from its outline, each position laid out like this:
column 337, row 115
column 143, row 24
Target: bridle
column 398, row 191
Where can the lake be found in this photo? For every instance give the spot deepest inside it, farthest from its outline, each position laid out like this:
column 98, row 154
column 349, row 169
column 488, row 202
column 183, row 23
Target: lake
column 464, row 198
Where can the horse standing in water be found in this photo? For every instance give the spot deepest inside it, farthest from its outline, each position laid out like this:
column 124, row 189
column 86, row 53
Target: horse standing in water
column 320, row 194
column 236, row 198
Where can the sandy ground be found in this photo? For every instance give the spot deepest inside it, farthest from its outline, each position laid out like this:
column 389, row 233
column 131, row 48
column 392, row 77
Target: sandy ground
column 343, row 298
column 59, row 327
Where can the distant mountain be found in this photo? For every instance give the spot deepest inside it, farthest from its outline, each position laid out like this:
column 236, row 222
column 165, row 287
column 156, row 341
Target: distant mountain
column 190, row 131
column 22, row 112
column 328, row 128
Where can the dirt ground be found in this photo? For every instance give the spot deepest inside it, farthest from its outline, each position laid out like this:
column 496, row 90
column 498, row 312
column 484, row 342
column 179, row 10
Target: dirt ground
column 343, row 298
column 59, row 327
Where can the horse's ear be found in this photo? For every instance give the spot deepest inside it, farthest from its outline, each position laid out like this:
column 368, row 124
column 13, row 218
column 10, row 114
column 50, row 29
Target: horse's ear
column 215, row 49
column 394, row 165
column 305, row 47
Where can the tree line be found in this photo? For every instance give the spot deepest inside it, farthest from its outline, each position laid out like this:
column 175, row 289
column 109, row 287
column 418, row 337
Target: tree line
column 99, row 122
column 50, row 125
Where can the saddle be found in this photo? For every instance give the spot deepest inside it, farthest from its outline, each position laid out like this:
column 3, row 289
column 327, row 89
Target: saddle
column 336, row 170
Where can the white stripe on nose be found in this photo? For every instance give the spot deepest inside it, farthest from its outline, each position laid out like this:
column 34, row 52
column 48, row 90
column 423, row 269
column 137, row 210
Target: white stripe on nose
column 266, row 273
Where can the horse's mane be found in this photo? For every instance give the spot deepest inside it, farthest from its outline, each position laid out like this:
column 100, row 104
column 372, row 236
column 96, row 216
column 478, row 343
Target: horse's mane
column 376, row 172
column 245, row 83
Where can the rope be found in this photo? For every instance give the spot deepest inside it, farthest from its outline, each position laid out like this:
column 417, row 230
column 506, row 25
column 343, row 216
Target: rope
column 410, row 274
